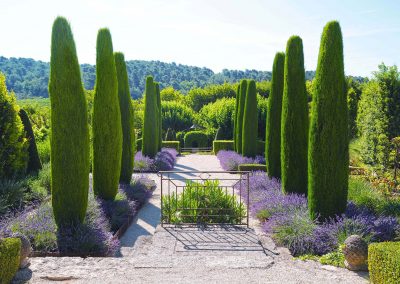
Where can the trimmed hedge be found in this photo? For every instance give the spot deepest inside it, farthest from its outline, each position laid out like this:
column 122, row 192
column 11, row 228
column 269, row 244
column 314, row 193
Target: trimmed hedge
column 239, row 118
column 250, row 122
column 196, row 139
column 10, row 249
column 150, row 120
column 171, row 144
column 159, row 116
column 219, row 145
column 252, row 167
column 384, row 262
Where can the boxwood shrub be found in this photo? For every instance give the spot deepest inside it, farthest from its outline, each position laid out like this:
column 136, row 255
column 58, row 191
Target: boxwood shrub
column 171, row 144
column 222, row 145
column 384, row 262
column 196, row 139
column 252, row 167
column 10, row 249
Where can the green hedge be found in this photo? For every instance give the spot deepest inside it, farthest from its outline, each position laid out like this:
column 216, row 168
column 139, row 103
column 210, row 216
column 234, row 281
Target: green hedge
column 195, row 139
column 139, row 144
column 252, row 167
column 9, row 258
column 171, row 144
column 384, row 262
column 222, row 145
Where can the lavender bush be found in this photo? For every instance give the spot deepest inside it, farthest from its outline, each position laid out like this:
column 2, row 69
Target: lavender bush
column 230, row 160
column 164, row 161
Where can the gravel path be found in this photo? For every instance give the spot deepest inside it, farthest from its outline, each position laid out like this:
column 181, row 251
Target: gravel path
column 152, row 254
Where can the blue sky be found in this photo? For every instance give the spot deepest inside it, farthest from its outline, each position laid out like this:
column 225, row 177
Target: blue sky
column 235, row 34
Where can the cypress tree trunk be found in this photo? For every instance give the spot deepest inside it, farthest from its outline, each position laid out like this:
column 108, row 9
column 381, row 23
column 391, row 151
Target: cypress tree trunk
column 34, row 164
column 294, row 125
column 159, row 113
column 274, row 113
column 69, row 129
column 239, row 121
column 250, row 122
column 107, row 130
column 235, row 125
column 125, row 105
column 328, row 160
column 149, row 132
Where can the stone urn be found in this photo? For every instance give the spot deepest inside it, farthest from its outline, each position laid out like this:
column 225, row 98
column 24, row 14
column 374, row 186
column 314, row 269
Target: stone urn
column 26, row 249
column 355, row 252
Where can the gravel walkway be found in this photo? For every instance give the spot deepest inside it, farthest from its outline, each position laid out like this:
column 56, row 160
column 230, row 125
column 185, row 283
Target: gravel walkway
column 152, row 254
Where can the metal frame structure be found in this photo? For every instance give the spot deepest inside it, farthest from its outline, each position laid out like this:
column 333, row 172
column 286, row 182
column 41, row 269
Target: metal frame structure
column 175, row 182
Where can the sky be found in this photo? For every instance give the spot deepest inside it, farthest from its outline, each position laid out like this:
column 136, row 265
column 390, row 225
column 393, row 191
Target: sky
column 218, row 34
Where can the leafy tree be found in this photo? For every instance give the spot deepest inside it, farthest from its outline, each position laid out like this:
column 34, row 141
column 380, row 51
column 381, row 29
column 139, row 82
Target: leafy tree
column 107, row 129
column 294, row 124
column 274, row 113
column 328, row 155
column 239, row 122
column 250, row 122
column 197, row 98
column 170, row 94
column 177, row 116
column 125, row 105
column 150, row 123
column 69, row 129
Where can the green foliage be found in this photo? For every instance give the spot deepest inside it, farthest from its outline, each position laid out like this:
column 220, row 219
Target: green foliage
column 176, row 116
column 219, row 145
column 69, row 132
column 219, row 134
column 139, row 144
column 195, row 139
column 44, row 150
column 171, row 144
column 180, row 136
column 125, row 105
column 170, row 94
column 170, row 135
column 9, row 258
column 353, row 98
column 14, row 145
column 294, row 124
column 197, row 98
column 239, row 119
column 328, row 155
column 208, row 195
column 384, row 262
column 260, row 147
column 150, row 123
column 159, row 117
column 11, row 195
column 252, row 167
column 235, row 126
column 335, row 258
column 250, row 122
column 274, row 113
column 107, row 129
column 262, row 108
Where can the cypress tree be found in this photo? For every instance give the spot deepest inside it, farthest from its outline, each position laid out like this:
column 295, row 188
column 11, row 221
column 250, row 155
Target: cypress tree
column 294, row 124
column 274, row 112
column 235, row 125
column 250, row 122
column 328, row 156
column 159, row 113
column 107, row 129
column 125, row 105
column 239, row 120
column 149, row 132
column 34, row 164
column 69, row 129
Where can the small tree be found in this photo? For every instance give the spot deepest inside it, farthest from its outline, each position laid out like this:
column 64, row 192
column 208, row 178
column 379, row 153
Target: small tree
column 274, row 113
column 107, row 129
column 328, row 154
column 235, row 124
column 239, row 118
column 159, row 118
column 150, row 127
column 294, row 124
column 250, row 122
column 69, row 129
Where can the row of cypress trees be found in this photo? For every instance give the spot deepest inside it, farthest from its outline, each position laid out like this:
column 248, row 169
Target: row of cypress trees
column 113, row 139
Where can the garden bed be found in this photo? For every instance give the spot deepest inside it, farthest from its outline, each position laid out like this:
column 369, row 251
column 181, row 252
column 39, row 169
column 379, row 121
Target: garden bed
column 230, row 160
column 165, row 160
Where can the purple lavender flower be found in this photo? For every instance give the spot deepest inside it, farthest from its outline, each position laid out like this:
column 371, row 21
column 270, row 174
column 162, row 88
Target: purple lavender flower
column 164, row 160
column 230, row 160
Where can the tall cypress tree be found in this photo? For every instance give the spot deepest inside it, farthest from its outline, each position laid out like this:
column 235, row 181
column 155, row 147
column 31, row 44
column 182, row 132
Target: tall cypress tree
column 235, row 125
column 250, row 122
column 239, row 120
column 159, row 113
column 125, row 105
column 69, row 129
column 107, row 129
column 328, row 155
column 273, row 124
column 149, row 132
column 294, row 124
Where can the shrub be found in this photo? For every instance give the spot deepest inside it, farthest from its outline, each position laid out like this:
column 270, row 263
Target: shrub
column 9, row 258
column 294, row 125
column 170, row 135
column 274, row 114
column 150, row 124
column 11, row 195
column 107, row 129
column 176, row 116
column 384, row 262
column 44, row 150
column 328, row 155
column 164, row 161
column 250, row 122
column 34, row 163
column 69, row 130
column 13, row 150
column 195, row 139
column 239, row 118
column 171, row 144
column 252, row 167
column 125, row 105
column 222, row 145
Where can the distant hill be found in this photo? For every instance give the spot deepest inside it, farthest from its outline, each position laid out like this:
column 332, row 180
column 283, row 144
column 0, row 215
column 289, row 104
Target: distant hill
column 29, row 78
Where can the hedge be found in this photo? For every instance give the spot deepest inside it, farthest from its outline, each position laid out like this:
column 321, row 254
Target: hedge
column 171, row 144
column 219, row 145
column 195, row 139
column 10, row 249
column 252, row 167
column 384, row 262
